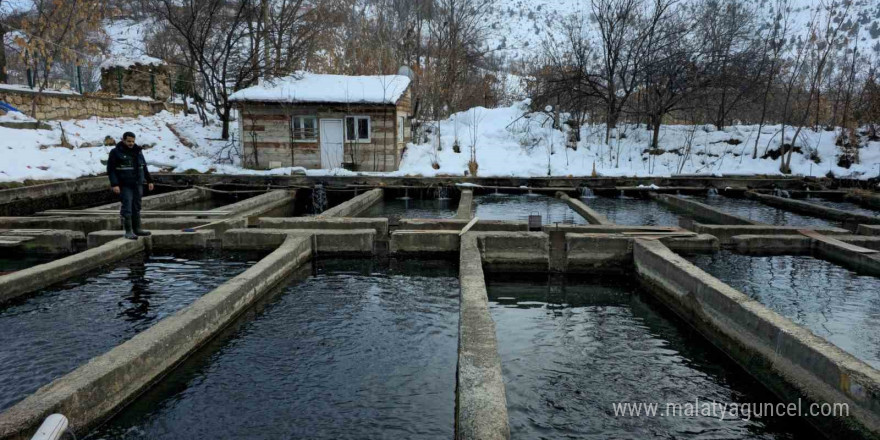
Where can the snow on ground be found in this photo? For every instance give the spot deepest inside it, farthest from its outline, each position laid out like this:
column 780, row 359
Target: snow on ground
column 39, row 154
column 127, row 37
column 512, row 142
column 509, row 140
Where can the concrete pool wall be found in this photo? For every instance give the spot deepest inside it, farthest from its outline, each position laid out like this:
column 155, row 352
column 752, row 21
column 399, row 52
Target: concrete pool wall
column 785, row 357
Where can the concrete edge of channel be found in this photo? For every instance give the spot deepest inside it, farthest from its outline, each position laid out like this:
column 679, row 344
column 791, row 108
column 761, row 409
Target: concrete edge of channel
column 786, row 357
column 480, row 398
column 95, row 390
column 37, row 277
column 585, row 211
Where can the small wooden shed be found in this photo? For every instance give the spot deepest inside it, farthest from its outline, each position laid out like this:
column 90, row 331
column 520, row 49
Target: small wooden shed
column 323, row 121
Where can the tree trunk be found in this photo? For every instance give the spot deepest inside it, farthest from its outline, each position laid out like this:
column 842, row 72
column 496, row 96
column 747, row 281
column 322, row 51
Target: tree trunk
column 655, row 139
column 227, row 110
column 3, row 76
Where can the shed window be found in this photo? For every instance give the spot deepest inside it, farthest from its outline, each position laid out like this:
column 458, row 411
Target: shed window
column 357, row 128
column 304, row 128
column 400, row 131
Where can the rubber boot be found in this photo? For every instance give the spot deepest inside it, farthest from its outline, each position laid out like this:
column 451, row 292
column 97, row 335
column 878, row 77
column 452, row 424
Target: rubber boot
column 136, row 225
column 126, row 224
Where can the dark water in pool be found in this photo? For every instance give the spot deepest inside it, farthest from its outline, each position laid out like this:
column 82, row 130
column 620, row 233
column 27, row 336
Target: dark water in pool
column 571, row 349
column 831, row 301
column 757, row 211
column 50, row 333
column 843, row 205
column 519, row 207
column 633, row 211
column 356, row 351
column 14, row 262
column 413, row 208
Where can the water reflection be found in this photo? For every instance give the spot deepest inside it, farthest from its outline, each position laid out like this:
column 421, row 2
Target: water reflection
column 51, row 332
column 573, row 347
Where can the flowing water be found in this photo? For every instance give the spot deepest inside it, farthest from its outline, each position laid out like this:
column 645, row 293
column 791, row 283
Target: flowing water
column 51, row 332
column 757, row 211
column 413, row 208
column 633, row 211
column 356, row 351
column 572, row 348
column 519, row 206
column 831, row 301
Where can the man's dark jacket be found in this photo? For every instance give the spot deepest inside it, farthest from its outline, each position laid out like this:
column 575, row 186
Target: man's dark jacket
column 127, row 166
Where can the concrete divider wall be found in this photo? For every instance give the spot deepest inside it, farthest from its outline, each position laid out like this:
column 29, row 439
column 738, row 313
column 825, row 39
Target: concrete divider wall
column 609, row 229
column 159, row 240
column 429, row 242
column 585, row 211
column 164, row 200
column 786, row 357
column 772, row 244
column 53, row 189
column 88, row 225
column 864, row 198
column 342, row 241
column 725, row 233
column 418, row 224
column 465, row 205
column 701, row 211
column 850, row 220
column 92, row 392
column 868, row 230
column 65, row 194
column 37, row 277
column 240, row 208
column 379, row 224
column 588, row 252
column 514, row 251
column 355, row 206
column 46, row 242
column 480, row 399
column 865, row 263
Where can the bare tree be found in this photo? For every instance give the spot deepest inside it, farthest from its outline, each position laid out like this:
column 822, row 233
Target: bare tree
column 822, row 42
column 774, row 43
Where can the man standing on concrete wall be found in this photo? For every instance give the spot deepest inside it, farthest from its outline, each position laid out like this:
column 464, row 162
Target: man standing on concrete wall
column 127, row 170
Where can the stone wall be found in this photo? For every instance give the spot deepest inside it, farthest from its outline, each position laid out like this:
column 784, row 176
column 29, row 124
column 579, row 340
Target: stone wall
column 136, row 81
column 51, row 106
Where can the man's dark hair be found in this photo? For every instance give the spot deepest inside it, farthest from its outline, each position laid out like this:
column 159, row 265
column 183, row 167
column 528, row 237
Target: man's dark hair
column 127, row 134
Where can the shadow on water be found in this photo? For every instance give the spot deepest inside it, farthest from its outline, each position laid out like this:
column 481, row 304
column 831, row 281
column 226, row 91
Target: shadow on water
column 573, row 347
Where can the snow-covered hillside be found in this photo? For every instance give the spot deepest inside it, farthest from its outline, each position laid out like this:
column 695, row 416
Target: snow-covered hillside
column 512, row 142
column 509, row 142
column 517, row 28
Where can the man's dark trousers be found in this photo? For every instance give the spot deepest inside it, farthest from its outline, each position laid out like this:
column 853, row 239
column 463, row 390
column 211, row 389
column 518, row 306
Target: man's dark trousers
column 131, row 200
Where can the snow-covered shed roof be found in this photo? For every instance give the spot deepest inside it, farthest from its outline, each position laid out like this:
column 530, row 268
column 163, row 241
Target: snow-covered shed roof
column 128, row 62
column 321, row 88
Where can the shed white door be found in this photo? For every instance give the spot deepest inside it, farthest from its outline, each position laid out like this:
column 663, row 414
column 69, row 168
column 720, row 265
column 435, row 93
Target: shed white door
column 331, row 143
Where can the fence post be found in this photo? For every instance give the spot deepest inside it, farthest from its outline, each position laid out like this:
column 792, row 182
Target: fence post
column 30, row 73
column 152, row 84
column 79, row 81
column 119, row 79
